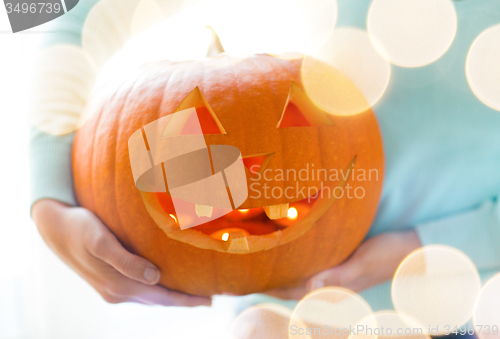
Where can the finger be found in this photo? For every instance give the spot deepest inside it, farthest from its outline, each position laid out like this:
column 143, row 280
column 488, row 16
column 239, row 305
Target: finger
column 295, row 293
column 107, row 248
column 322, row 279
column 122, row 289
column 343, row 276
column 158, row 295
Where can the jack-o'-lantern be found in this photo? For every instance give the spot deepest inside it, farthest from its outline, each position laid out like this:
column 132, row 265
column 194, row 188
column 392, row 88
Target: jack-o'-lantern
column 314, row 179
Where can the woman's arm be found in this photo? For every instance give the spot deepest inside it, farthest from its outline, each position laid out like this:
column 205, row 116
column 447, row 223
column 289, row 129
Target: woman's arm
column 475, row 232
column 75, row 234
column 374, row 262
column 50, row 155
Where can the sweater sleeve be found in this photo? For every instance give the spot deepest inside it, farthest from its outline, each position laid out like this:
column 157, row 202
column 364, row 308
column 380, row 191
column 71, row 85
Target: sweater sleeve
column 50, row 155
column 50, row 165
column 476, row 233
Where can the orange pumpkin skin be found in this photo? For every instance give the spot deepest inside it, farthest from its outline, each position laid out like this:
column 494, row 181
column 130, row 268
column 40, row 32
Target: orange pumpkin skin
column 248, row 96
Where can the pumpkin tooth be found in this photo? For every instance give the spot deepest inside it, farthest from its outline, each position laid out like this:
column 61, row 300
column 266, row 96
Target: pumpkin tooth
column 276, row 211
column 238, row 243
column 203, row 210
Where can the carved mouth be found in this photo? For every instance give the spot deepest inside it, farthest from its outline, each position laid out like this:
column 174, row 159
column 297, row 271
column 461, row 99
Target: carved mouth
column 258, row 220
column 249, row 230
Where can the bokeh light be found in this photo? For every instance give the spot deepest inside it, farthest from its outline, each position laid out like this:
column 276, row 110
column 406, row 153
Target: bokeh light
column 412, row 33
column 264, row 321
column 147, row 14
column 332, row 310
column 63, row 79
column 150, row 12
column 183, row 37
column 438, row 286
column 350, row 51
column 483, row 67
column 387, row 325
column 260, row 26
column 107, row 28
column 277, row 26
column 487, row 310
column 330, row 89
column 162, row 31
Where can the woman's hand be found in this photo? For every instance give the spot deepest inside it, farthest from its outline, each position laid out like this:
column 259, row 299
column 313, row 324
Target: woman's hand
column 85, row 244
column 374, row 262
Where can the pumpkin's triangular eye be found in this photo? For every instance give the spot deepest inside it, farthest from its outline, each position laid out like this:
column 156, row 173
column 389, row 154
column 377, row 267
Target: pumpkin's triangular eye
column 300, row 111
column 257, row 163
column 204, row 118
column 293, row 117
column 207, row 121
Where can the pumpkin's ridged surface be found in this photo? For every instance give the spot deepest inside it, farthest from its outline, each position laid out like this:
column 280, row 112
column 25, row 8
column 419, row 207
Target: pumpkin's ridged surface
column 248, row 96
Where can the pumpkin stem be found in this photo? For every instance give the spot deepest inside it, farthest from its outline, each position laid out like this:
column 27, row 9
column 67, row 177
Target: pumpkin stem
column 215, row 47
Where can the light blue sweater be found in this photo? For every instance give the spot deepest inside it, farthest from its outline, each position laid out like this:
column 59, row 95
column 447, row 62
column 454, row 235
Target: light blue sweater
column 442, row 148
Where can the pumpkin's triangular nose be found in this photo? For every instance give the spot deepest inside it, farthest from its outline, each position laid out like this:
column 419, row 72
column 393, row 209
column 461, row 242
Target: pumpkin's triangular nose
column 258, row 162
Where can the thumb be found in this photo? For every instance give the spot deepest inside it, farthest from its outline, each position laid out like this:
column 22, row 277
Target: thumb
column 108, row 249
column 340, row 276
column 328, row 277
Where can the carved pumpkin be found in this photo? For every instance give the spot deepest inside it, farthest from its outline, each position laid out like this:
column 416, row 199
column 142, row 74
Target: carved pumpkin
column 259, row 105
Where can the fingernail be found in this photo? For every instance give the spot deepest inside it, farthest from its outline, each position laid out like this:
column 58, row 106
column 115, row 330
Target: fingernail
column 151, row 274
column 315, row 284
